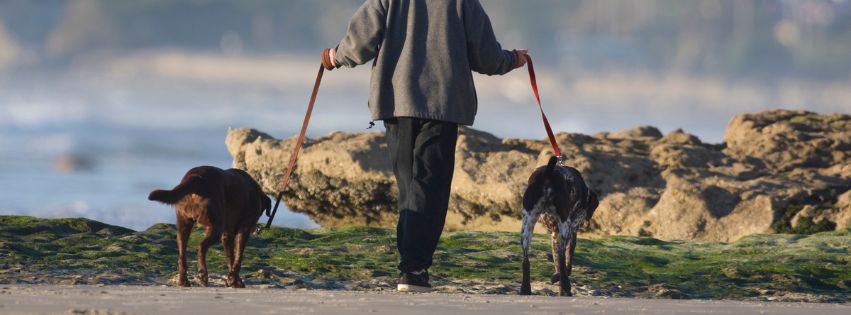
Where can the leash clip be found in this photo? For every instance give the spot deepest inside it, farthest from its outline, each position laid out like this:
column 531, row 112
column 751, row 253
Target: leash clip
column 561, row 159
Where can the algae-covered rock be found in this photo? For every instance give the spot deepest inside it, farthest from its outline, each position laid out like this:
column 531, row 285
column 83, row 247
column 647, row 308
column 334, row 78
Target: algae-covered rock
column 814, row 268
column 820, row 218
column 671, row 186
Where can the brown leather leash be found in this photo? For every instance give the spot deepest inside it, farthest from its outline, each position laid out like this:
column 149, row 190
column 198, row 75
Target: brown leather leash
column 297, row 148
column 534, row 82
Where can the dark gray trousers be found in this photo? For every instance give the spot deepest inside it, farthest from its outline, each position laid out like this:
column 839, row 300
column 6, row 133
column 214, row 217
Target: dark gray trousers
column 423, row 156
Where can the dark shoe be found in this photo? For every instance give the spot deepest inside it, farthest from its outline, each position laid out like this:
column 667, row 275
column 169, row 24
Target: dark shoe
column 416, row 281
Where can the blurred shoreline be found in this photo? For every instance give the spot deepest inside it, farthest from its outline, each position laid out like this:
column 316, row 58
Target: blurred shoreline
column 275, row 88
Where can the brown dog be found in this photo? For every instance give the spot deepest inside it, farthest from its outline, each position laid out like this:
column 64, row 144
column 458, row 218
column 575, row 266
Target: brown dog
column 227, row 203
column 561, row 196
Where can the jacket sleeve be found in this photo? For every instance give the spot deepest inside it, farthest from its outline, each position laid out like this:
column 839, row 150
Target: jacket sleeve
column 364, row 36
column 483, row 50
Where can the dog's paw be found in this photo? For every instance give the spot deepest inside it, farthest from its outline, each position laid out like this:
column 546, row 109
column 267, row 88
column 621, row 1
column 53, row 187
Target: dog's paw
column 525, row 289
column 202, row 280
column 234, row 282
column 565, row 290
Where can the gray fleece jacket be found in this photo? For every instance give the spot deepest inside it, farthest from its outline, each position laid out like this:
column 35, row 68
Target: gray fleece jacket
column 424, row 53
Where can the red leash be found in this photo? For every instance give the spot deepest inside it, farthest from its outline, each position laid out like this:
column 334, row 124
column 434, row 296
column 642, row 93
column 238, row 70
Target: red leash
column 534, row 81
column 297, row 148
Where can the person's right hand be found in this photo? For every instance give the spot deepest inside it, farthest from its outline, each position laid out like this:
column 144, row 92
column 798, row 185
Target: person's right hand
column 520, row 57
column 328, row 59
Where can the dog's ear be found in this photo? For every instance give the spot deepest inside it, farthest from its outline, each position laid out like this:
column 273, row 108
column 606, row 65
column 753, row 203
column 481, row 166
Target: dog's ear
column 535, row 189
column 592, row 204
column 267, row 202
column 537, row 176
column 533, row 193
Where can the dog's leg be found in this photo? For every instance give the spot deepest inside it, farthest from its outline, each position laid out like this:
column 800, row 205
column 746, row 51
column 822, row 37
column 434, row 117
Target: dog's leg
column 184, row 228
column 241, row 240
column 554, row 238
column 210, row 236
column 564, row 232
column 571, row 246
column 227, row 245
column 529, row 221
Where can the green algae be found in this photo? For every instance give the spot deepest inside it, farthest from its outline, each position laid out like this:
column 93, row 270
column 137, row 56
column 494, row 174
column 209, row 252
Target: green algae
column 810, row 264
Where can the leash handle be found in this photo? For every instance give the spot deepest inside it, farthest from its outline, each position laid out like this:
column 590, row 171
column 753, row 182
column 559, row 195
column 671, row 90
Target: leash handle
column 297, row 148
column 534, row 82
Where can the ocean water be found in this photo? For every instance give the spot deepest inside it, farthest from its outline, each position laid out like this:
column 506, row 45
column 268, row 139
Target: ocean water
column 97, row 151
column 114, row 170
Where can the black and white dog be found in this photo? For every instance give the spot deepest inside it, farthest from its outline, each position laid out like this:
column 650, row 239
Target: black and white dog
column 561, row 196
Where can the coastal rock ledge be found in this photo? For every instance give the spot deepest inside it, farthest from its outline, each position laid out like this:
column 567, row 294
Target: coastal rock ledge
column 777, row 171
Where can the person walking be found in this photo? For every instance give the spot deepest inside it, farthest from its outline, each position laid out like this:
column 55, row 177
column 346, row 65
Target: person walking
column 422, row 88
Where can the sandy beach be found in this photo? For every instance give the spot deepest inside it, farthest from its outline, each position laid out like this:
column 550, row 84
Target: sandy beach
column 51, row 299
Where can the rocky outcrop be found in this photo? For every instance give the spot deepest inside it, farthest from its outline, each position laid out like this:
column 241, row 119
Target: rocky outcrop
column 772, row 167
column 786, row 140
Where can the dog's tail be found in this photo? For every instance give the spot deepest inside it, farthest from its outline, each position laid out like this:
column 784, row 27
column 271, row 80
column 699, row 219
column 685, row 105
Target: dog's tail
column 171, row 197
column 551, row 165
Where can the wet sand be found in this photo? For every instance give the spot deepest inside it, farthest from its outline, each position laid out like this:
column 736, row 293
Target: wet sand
column 51, row 299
